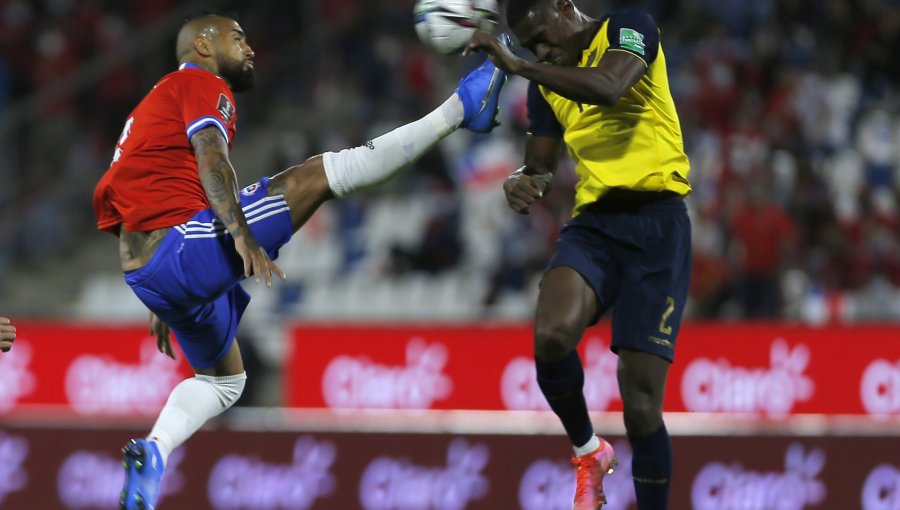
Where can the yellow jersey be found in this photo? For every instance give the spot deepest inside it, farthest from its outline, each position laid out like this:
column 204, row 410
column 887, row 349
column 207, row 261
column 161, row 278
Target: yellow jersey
column 635, row 144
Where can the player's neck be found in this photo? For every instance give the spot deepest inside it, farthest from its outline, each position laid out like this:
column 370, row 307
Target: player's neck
column 188, row 62
column 587, row 32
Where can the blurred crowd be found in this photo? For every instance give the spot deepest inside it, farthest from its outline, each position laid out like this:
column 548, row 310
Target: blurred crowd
column 790, row 111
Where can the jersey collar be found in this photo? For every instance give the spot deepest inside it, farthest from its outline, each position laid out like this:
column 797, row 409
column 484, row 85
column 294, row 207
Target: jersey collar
column 188, row 65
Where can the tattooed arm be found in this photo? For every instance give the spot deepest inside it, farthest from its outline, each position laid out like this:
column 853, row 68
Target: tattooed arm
column 220, row 184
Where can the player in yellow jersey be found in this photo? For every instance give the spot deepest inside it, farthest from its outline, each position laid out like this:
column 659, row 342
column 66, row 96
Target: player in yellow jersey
column 600, row 86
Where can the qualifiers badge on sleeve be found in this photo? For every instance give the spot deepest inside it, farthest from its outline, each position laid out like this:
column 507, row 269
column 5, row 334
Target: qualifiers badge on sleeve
column 225, row 108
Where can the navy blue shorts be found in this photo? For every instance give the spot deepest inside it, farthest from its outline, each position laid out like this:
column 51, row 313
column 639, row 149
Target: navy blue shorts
column 638, row 260
column 192, row 282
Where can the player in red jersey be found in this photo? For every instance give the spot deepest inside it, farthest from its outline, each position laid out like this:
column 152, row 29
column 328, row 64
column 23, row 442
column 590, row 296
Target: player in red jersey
column 188, row 235
column 7, row 334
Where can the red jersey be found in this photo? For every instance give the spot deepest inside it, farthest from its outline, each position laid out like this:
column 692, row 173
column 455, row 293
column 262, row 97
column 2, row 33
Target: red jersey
column 153, row 180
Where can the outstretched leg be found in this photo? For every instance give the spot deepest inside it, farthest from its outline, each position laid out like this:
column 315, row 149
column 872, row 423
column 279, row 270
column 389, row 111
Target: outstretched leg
column 474, row 106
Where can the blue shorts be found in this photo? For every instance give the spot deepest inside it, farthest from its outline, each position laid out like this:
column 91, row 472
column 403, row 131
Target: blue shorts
column 638, row 259
column 192, row 282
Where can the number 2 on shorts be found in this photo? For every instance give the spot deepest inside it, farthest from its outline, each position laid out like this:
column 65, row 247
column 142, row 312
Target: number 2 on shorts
column 670, row 307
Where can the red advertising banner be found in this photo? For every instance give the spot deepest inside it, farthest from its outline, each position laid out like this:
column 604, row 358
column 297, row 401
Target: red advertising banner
column 91, row 369
column 771, row 370
column 230, row 470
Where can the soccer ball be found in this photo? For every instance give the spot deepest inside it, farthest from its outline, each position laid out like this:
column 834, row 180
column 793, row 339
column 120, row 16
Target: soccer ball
column 447, row 25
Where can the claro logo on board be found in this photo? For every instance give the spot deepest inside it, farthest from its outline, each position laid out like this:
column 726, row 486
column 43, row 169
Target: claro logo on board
column 16, row 380
column 731, row 487
column 13, row 453
column 100, row 384
column 358, row 382
column 718, row 386
column 390, row 483
column 88, row 479
column 880, row 388
column 882, row 489
column 240, row 482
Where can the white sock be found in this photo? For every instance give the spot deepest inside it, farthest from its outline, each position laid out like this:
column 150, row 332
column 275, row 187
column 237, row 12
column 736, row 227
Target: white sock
column 588, row 447
column 380, row 159
column 190, row 405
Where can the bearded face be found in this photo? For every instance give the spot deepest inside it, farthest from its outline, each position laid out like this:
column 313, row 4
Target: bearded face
column 237, row 72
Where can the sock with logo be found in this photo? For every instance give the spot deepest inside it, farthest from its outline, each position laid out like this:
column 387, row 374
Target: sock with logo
column 651, row 468
column 361, row 167
column 562, row 382
column 191, row 403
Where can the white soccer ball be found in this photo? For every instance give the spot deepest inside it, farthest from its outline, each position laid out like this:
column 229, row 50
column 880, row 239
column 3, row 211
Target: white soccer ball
column 447, row 25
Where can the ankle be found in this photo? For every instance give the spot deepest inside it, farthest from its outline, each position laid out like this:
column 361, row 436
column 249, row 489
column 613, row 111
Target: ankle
column 589, row 447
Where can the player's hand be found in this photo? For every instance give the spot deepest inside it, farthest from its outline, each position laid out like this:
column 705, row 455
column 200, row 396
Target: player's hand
column 522, row 190
column 160, row 330
column 256, row 261
column 499, row 53
column 7, row 334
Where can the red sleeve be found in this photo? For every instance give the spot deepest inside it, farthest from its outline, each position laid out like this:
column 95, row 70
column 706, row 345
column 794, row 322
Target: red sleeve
column 207, row 101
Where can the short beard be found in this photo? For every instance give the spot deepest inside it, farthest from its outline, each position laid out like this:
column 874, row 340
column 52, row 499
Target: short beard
column 240, row 79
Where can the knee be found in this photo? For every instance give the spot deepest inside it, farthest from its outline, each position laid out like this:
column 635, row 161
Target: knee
column 228, row 389
column 236, row 389
column 554, row 341
column 641, row 412
column 306, row 179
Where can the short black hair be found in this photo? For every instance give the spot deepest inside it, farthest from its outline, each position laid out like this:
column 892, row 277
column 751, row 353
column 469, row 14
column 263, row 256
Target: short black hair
column 516, row 10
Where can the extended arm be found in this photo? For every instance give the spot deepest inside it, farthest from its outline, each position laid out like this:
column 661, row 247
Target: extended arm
column 220, row 184
column 602, row 85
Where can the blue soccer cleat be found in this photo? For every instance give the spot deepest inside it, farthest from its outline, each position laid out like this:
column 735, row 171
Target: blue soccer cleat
column 480, row 94
column 143, row 473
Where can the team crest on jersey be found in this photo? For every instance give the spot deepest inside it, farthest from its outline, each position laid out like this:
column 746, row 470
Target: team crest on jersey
column 225, row 108
column 251, row 189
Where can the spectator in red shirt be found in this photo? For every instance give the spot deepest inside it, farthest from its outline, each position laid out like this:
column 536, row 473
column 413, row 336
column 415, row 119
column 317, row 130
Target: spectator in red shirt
column 763, row 236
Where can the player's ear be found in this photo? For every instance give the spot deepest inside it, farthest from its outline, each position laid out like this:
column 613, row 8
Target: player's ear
column 203, row 46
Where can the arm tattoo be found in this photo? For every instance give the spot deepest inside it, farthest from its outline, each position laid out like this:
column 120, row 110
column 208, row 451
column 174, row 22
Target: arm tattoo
column 219, row 181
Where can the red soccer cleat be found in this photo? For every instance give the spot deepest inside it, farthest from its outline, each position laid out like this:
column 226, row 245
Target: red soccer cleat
column 589, row 472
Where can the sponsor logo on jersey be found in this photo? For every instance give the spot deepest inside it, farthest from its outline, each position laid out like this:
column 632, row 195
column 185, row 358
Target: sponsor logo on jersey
column 719, row 486
column 355, row 382
column 226, row 109
column 880, row 388
column 520, row 391
column 239, row 482
column 717, row 386
column 393, row 483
